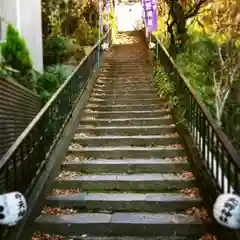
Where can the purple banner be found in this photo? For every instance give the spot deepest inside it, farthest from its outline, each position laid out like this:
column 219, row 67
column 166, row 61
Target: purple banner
column 151, row 16
column 100, row 15
column 107, row 13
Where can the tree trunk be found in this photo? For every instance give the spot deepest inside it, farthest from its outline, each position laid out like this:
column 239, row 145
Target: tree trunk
column 178, row 19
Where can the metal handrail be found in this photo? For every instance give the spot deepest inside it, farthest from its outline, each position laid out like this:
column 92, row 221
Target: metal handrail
column 220, row 134
column 24, row 160
column 221, row 158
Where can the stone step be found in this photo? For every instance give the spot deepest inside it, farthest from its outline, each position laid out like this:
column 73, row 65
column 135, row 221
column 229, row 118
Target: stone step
column 173, row 237
column 125, row 101
column 131, row 62
column 126, row 114
column 124, row 91
column 124, row 96
column 123, row 182
column 126, row 162
column 128, row 87
column 127, row 166
column 123, row 80
column 126, row 152
column 99, row 107
column 125, row 68
column 127, row 121
column 127, row 130
column 117, row 140
column 123, row 76
column 121, row 224
column 107, row 76
column 120, row 82
column 126, row 65
column 123, row 64
column 131, row 72
column 127, row 202
column 118, row 58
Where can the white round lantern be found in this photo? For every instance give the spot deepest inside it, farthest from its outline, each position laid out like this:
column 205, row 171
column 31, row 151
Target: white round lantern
column 226, row 210
column 13, row 207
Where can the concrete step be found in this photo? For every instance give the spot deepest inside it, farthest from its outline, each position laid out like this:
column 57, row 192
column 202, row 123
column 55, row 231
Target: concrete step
column 126, row 114
column 121, row 224
column 124, row 80
column 165, row 120
column 123, row 182
column 134, row 238
column 144, row 71
column 129, row 166
column 142, row 74
column 129, row 87
column 127, row 202
column 107, row 76
column 122, row 152
column 119, row 72
column 117, row 140
column 126, row 167
column 126, row 68
column 124, row 60
column 127, row 130
column 119, row 101
column 132, row 107
column 120, row 84
column 121, row 63
column 124, row 96
column 44, row 236
column 132, row 72
column 124, row 91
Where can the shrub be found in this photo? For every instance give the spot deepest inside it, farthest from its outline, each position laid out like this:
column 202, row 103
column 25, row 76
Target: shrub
column 51, row 80
column 197, row 60
column 166, row 86
column 15, row 52
column 85, row 35
column 55, row 48
column 6, row 71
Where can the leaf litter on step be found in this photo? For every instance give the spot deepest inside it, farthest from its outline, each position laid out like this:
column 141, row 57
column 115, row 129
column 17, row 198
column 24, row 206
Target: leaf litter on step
column 68, row 191
column 191, row 192
column 45, row 236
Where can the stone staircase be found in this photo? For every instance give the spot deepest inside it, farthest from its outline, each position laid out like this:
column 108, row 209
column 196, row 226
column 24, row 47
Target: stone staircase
column 126, row 170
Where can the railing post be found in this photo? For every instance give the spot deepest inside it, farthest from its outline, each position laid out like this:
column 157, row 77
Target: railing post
column 157, row 51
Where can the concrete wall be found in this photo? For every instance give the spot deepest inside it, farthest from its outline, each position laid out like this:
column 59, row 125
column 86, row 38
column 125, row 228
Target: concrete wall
column 31, row 29
column 8, row 11
column 25, row 15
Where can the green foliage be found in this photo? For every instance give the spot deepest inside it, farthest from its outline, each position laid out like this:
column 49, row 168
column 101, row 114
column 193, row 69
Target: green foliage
column 6, row 71
column 197, row 60
column 16, row 59
column 166, row 87
column 15, row 52
column 55, row 48
column 51, row 80
column 85, row 35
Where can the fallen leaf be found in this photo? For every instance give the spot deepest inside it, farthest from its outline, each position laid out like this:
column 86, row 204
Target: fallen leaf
column 57, row 211
column 198, row 212
column 208, row 236
column 69, row 191
column 191, row 192
column 187, row 174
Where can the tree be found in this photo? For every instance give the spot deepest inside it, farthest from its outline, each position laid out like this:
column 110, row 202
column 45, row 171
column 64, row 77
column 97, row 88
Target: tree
column 225, row 16
column 179, row 11
column 225, row 76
